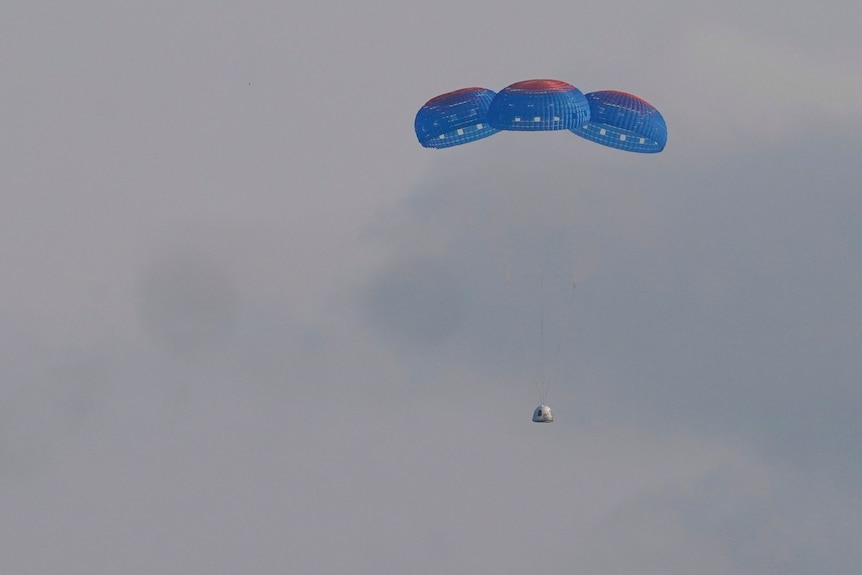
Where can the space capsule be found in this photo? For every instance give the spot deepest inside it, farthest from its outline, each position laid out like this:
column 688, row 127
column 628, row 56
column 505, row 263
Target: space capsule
column 543, row 414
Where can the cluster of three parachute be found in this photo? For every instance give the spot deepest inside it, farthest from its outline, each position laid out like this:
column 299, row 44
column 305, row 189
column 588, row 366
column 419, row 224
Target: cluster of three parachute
column 612, row 118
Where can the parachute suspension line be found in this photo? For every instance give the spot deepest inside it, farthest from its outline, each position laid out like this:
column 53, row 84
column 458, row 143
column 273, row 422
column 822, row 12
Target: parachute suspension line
column 542, row 394
column 563, row 326
column 540, row 384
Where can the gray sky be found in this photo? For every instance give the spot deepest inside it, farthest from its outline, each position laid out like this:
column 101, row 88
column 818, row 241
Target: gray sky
column 249, row 325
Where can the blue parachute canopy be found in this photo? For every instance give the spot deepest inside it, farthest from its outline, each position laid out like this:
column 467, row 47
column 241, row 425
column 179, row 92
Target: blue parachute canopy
column 624, row 121
column 539, row 105
column 454, row 118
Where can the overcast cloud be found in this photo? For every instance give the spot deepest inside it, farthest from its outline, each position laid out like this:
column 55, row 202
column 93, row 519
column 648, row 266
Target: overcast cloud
column 249, row 325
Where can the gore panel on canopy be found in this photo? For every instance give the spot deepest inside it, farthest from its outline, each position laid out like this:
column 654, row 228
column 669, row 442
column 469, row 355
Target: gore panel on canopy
column 539, row 105
column 624, row 121
column 454, row 118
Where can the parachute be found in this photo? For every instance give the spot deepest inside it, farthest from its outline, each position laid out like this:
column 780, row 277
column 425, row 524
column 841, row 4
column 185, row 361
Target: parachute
column 454, row 118
column 608, row 117
column 624, row 121
column 539, row 105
